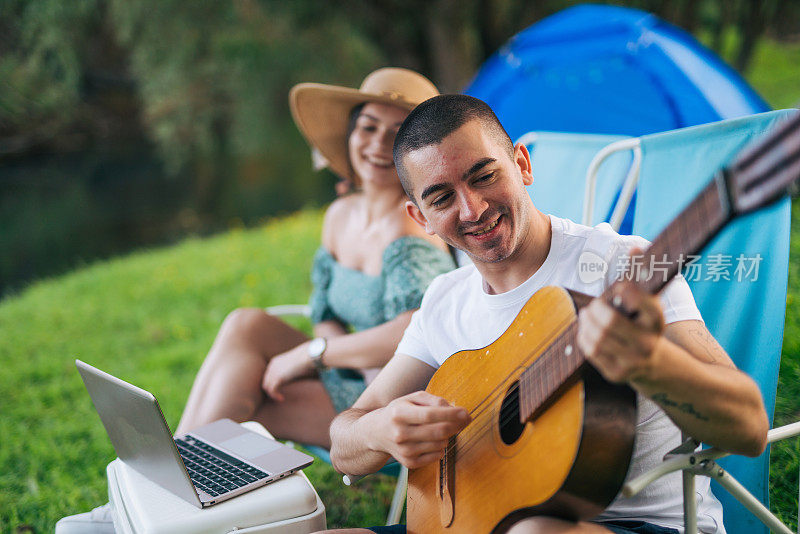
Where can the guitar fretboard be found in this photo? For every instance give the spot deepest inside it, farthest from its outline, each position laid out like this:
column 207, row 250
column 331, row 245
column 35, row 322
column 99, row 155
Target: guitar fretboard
column 687, row 234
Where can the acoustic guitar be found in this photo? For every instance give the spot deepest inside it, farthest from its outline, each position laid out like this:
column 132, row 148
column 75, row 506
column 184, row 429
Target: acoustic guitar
column 549, row 436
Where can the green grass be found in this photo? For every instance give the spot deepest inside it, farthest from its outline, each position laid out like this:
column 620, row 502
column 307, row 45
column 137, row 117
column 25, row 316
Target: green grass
column 148, row 318
column 774, row 70
column 785, row 455
column 775, row 73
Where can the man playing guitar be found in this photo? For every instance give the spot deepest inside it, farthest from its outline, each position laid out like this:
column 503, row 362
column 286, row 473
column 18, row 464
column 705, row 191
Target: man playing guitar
column 466, row 182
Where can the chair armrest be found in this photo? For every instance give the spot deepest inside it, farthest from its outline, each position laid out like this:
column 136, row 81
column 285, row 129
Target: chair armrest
column 671, row 464
column 702, row 463
column 303, row 310
column 688, row 460
column 783, row 432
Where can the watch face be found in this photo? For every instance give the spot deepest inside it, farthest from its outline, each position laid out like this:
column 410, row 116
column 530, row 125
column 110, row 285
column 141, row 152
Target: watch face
column 316, row 347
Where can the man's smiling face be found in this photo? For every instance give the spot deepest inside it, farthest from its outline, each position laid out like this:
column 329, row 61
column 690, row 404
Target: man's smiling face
column 471, row 192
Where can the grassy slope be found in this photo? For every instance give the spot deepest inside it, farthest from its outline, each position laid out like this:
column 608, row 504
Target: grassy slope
column 148, row 318
column 775, row 73
column 785, row 456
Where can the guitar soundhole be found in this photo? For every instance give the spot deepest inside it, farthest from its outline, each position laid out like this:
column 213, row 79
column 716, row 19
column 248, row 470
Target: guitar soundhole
column 510, row 425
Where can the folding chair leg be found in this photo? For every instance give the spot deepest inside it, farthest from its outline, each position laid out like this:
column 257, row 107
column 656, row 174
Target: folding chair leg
column 741, row 494
column 399, row 498
column 689, row 503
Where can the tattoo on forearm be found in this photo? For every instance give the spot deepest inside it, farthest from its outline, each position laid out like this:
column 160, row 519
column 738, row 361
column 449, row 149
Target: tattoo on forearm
column 685, row 407
column 709, row 345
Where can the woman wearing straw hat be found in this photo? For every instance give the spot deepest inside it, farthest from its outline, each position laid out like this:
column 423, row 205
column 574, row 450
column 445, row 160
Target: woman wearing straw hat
column 369, row 276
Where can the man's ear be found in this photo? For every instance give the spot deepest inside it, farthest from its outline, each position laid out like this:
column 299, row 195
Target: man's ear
column 523, row 160
column 415, row 213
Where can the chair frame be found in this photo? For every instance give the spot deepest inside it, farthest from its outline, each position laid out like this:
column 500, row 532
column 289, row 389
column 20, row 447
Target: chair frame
column 628, row 187
column 702, row 463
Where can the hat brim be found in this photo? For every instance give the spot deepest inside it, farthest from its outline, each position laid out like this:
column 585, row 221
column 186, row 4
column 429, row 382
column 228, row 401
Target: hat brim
column 322, row 113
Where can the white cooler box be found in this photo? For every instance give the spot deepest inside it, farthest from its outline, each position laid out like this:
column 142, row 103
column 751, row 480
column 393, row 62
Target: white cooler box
column 288, row 506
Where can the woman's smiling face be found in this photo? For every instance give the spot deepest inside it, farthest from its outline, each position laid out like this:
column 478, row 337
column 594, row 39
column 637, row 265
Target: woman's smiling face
column 370, row 144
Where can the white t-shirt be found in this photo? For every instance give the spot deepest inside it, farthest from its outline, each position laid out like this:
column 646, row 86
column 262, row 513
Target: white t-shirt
column 457, row 314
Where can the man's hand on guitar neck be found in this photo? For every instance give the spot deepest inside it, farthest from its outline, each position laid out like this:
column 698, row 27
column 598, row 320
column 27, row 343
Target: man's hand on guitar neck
column 680, row 366
column 621, row 348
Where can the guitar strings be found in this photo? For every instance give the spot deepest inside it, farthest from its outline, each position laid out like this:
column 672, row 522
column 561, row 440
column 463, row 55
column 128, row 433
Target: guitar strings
column 476, row 438
column 464, row 448
column 488, row 401
column 485, row 424
column 477, row 433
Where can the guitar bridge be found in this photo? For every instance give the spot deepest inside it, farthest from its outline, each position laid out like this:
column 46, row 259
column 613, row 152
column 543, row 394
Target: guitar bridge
column 446, row 484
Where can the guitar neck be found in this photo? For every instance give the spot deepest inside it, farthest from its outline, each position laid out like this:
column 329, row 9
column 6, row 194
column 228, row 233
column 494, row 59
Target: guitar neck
column 685, row 236
column 558, row 367
column 762, row 173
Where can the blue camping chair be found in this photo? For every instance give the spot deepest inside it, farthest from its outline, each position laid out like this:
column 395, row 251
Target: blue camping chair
column 393, row 468
column 675, row 166
column 560, row 162
column 666, row 171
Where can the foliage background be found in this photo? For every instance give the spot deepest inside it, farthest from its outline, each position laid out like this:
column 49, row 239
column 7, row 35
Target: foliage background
column 131, row 123
column 134, row 124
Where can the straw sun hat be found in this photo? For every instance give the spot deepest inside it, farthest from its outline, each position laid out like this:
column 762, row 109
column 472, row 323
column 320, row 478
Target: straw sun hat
column 322, row 112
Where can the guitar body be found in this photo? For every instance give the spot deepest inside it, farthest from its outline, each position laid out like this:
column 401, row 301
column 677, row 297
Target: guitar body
column 569, row 461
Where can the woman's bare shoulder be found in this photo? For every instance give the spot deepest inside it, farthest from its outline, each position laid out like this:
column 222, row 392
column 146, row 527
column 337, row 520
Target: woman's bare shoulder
column 336, row 217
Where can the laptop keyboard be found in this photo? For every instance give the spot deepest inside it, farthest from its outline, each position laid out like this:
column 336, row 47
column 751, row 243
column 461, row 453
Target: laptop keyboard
column 213, row 471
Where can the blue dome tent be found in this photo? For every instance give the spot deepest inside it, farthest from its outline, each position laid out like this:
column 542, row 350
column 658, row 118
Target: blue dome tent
column 609, row 70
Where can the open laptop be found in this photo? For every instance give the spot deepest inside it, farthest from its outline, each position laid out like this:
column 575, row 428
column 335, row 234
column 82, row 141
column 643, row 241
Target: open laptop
column 208, row 465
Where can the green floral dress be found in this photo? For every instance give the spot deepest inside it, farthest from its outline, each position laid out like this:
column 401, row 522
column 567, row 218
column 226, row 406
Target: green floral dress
column 363, row 301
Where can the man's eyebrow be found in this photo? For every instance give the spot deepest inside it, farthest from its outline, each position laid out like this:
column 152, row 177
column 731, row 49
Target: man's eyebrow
column 480, row 164
column 477, row 166
column 430, row 190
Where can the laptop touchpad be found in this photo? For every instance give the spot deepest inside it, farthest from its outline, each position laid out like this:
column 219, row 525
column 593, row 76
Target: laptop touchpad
column 250, row 445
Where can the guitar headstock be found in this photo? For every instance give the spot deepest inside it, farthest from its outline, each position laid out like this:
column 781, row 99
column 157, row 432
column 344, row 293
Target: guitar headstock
column 765, row 170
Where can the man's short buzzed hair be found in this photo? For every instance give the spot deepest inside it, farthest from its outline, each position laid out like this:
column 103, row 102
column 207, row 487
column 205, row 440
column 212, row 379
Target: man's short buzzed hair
column 436, row 118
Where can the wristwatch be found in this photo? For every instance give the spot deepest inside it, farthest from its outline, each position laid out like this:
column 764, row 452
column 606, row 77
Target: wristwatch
column 316, row 348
